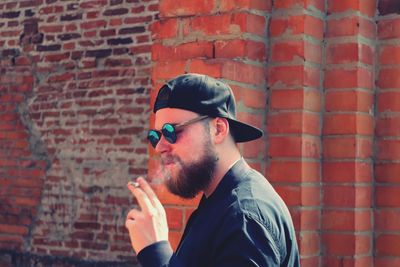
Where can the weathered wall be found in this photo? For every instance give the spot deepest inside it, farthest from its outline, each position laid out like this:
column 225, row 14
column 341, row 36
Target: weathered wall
column 75, row 81
column 321, row 77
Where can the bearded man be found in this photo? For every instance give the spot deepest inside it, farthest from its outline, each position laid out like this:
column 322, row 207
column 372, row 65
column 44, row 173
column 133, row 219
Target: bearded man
column 240, row 220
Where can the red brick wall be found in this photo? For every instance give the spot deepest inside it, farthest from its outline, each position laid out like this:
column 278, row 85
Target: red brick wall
column 77, row 79
column 387, row 142
column 74, row 103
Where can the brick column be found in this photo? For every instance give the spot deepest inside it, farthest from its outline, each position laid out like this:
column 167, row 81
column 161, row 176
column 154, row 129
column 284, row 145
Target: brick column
column 387, row 163
column 227, row 40
column 294, row 116
column 348, row 134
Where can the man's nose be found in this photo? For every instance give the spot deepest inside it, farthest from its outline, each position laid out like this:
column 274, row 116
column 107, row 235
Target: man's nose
column 163, row 145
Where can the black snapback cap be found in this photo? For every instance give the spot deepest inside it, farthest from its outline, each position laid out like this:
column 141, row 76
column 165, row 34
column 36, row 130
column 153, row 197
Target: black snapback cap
column 207, row 96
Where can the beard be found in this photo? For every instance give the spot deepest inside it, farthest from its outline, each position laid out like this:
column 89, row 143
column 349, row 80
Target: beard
column 194, row 177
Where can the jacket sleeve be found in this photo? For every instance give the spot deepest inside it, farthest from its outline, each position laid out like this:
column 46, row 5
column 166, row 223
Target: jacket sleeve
column 248, row 243
column 159, row 254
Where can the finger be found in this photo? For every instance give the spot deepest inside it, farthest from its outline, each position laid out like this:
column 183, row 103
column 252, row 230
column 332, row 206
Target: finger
column 149, row 192
column 133, row 214
column 143, row 200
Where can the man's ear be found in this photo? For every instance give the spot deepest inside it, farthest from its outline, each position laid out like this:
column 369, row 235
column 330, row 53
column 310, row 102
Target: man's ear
column 221, row 129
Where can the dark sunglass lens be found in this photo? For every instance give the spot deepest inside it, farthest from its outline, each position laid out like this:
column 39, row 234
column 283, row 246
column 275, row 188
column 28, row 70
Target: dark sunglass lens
column 153, row 137
column 168, row 131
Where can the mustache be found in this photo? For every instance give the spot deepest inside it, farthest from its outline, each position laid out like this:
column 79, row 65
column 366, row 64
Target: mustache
column 167, row 159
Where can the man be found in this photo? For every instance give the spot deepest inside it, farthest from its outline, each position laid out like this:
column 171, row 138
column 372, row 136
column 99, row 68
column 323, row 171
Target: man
column 241, row 220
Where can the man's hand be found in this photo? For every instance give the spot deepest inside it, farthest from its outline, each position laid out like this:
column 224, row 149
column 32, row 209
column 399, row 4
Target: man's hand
column 148, row 225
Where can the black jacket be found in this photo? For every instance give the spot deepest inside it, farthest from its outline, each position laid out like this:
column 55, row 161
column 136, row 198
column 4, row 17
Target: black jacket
column 243, row 223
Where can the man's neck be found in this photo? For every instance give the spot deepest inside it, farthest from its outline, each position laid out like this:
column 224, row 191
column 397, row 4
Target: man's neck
column 221, row 169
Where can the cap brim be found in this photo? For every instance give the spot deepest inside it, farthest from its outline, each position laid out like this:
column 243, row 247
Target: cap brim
column 243, row 132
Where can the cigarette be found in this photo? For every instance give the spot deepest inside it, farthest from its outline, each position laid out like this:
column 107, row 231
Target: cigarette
column 134, row 184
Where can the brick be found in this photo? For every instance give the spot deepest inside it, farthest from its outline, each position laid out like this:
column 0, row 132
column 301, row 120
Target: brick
column 115, row 12
column 299, row 195
column 13, row 229
column 55, row 47
column 285, row 76
column 347, row 171
column 222, row 24
column 305, row 219
column 351, row 196
column 56, row 57
column 349, row 52
column 69, row 36
column 61, row 78
column 309, row 244
column 138, row 19
column 295, row 25
column 389, row 28
column 132, row 30
column 366, row 7
column 183, row 51
column 51, row 28
column 337, row 147
column 94, row 24
column 386, row 220
column 388, row 149
column 24, row 201
column 93, row 4
column 386, row 261
column 346, row 244
column 389, row 54
column 174, row 8
column 294, row 122
column 70, row 17
column 310, row 260
column 285, row 26
column 388, row 125
column 388, row 78
column 99, row 53
column 10, row 52
column 295, row 99
column 360, row 260
column 10, row 14
column 353, row 78
column 229, row 5
column 387, row 172
column 240, row 49
column 255, row 149
column 213, row 25
column 245, row 73
column 387, row 196
column 249, row 97
column 287, row 146
column 350, row 26
column 388, row 101
column 30, row 3
column 119, row 41
column 339, row 220
column 174, row 218
column 293, row 171
column 348, row 124
column 299, row 51
column 206, row 66
column 388, row 245
column 254, row 119
column 165, row 29
column 256, row 24
column 351, row 100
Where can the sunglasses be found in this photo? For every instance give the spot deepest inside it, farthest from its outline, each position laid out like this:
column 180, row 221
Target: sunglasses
column 169, row 131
